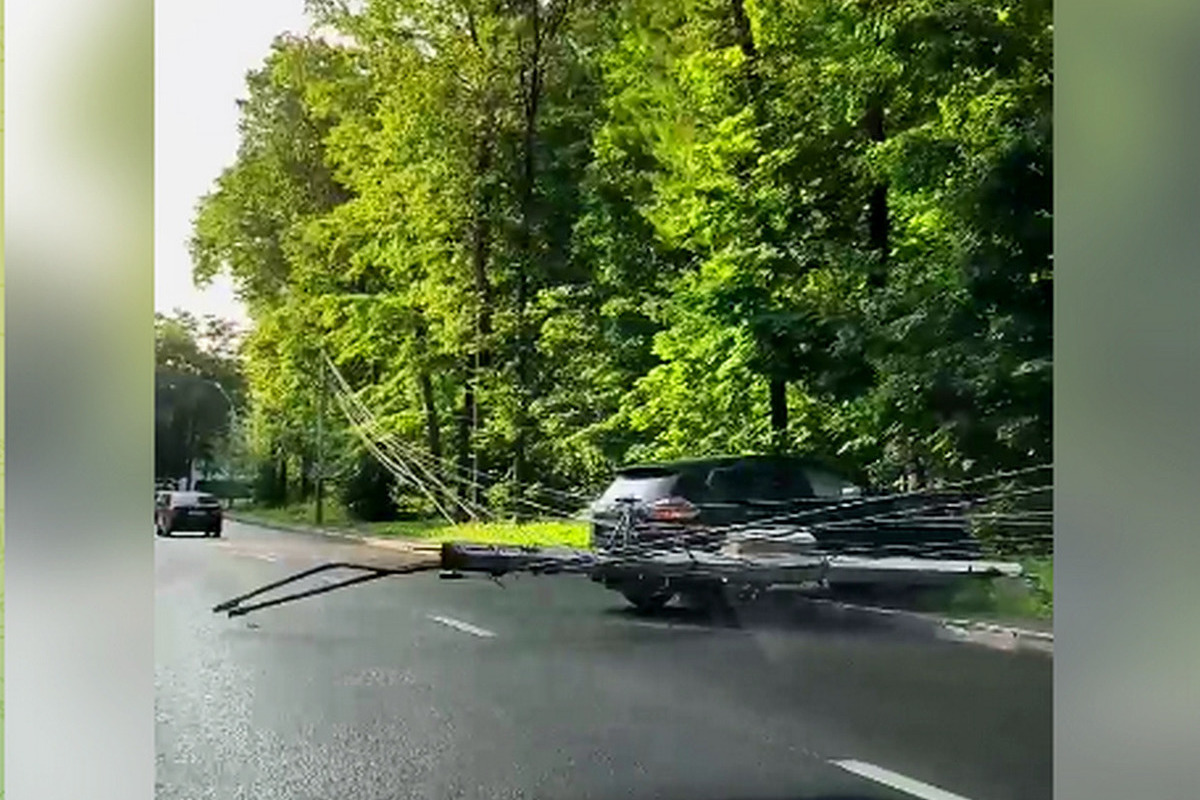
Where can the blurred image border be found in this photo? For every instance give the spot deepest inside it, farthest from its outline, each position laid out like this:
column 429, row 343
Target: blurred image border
column 79, row 591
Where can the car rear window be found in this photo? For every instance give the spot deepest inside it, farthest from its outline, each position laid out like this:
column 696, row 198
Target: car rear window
column 826, row 484
column 644, row 485
column 759, row 481
column 185, row 499
column 727, row 481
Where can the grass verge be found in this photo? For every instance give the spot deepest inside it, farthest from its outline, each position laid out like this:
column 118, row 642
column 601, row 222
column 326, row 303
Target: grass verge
column 545, row 533
column 299, row 514
column 1028, row 598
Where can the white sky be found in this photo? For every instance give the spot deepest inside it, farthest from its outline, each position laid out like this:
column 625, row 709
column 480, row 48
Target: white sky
column 203, row 50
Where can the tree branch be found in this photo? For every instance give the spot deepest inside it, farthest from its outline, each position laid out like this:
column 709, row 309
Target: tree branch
column 558, row 13
column 472, row 29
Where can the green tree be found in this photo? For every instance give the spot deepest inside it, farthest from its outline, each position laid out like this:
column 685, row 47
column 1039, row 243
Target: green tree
column 198, row 391
column 543, row 238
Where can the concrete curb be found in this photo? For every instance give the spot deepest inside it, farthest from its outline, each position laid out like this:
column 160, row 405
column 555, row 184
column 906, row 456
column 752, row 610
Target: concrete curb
column 985, row 634
column 390, row 543
column 1000, row 637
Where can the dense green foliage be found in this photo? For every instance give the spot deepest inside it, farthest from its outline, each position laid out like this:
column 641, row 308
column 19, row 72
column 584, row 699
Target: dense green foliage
column 366, row 491
column 198, row 386
column 544, row 238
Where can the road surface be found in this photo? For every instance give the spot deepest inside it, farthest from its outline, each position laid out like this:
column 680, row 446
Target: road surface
column 413, row 687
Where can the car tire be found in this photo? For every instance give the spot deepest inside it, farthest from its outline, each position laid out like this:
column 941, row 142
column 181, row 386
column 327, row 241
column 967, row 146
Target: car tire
column 647, row 599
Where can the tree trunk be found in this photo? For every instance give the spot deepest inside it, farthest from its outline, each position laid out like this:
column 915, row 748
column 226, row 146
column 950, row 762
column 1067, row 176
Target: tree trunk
column 878, row 219
column 745, row 36
column 433, row 427
column 190, row 450
column 481, row 359
column 282, row 474
column 433, row 424
column 433, row 432
column 745, row 39
column 779, row 415
column 305, row 478
column 467, row 462
column 532, row 100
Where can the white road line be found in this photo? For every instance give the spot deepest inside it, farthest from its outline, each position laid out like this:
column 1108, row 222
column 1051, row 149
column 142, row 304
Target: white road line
column 459, row 625
column 897, row 781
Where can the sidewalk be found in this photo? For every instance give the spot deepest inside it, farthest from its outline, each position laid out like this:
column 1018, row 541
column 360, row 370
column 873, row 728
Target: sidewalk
column 1030, row 635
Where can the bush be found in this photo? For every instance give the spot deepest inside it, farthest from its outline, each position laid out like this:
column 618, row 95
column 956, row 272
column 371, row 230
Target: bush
column 366, row 493
column 269, row 490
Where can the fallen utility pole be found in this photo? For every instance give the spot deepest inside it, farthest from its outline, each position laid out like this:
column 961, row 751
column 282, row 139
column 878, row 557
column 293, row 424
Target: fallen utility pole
column 650, row 568
column 455, row 558
column 235, row 608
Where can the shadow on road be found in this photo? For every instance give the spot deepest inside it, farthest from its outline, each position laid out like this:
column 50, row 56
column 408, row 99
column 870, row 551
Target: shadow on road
column 779, row 612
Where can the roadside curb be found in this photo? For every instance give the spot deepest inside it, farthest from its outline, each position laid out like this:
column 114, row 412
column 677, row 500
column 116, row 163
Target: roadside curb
column 976, row 632
column 390, row 543
column 1001, row 637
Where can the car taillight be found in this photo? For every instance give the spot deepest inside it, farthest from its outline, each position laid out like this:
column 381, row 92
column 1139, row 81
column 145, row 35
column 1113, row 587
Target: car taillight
column 673, row 509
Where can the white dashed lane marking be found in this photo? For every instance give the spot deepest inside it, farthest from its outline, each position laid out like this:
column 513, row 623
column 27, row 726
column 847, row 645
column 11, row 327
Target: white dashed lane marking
column 459, row 625
column 897, row 781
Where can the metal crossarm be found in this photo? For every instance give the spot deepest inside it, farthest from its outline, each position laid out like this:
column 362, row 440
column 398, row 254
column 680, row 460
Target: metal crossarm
column 234, row 607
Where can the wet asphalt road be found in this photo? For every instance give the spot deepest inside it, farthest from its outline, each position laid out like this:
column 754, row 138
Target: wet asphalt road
column 412, row 687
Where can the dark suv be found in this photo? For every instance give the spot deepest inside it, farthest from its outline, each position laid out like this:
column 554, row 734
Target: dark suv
column 187, row 511
column 695, row 501
column 691, row 496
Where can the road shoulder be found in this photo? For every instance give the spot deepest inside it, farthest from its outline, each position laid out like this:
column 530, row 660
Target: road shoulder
column 1032, row 636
